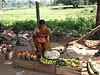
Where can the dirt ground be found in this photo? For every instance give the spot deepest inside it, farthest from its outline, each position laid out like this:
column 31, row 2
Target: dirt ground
column 6, row 69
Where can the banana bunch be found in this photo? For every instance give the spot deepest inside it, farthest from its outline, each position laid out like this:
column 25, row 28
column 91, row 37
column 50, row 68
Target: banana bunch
column 25, row 55
column 73, row 62
column 47, row 61
column 33, row 57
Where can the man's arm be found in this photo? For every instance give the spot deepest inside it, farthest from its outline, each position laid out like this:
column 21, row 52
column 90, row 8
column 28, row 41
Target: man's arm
column 35, row 32
column 49, row 34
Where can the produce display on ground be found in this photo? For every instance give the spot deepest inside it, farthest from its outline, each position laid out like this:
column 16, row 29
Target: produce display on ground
column 61, row 62
column 53, row 54
column 26, row 55
column 51, row 57
column 93, row 67
column 47, row 61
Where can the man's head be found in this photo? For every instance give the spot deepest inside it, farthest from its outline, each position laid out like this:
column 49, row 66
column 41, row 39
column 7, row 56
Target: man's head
column 41, row 23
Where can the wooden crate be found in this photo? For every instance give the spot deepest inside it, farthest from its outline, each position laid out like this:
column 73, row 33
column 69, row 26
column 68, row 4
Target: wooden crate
column 44, row 68
column 56, row 70
column 24, row 64
column 52, row 69
column 60, row 70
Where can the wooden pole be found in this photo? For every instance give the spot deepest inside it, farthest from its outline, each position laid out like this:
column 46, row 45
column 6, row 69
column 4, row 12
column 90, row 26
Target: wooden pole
column 37, row 12
column 98, row 17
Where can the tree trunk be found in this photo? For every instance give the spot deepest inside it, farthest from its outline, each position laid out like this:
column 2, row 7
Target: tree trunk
column 85, row 2
column 98, row 18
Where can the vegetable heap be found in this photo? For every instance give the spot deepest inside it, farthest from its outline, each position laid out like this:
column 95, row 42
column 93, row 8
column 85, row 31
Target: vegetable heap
column 93, row 67
column 61, row 62
column 26, row 55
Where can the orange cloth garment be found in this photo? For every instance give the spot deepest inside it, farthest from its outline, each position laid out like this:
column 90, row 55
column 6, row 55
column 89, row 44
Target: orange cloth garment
column 42, row 33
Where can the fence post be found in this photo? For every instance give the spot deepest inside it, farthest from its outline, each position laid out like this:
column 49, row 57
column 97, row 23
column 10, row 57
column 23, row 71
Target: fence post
column 37, row 12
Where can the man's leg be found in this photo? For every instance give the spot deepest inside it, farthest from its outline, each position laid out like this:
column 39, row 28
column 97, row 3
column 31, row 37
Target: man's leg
column 43, row 48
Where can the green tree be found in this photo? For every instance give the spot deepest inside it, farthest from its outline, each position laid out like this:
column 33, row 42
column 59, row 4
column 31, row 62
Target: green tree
column 2, row 3
column 30, row 3
column 75, row 3
column 92, row 1
column 85, row 2
column 65, row 2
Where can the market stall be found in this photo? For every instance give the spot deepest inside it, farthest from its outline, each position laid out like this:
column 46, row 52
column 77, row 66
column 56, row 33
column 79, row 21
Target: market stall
column 52, row 61
column 22, row 51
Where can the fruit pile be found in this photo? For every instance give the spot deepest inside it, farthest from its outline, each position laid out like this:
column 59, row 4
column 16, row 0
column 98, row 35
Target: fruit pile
column 73, row 62
column 68, row 62
column 47, row 61
column 26, row 55
column 61, row 62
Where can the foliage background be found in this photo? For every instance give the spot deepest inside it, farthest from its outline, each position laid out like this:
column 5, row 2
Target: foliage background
column 64, row 21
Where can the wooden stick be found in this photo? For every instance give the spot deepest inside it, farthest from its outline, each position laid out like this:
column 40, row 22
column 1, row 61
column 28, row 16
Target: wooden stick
column 89, row 34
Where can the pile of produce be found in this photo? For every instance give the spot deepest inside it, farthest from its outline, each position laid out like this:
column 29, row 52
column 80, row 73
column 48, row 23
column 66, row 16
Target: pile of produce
column 69, row 62
column 53, row 54
column 93, row 67
column 26, row 55
column 61, row 62
column 4, row 48
column 47, row 61
column 73, row 62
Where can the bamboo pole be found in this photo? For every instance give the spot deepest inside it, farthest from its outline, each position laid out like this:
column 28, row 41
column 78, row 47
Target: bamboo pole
column 89, row 34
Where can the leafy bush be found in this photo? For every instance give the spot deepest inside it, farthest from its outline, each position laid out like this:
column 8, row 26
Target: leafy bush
column 23, row 26
column 71, row 27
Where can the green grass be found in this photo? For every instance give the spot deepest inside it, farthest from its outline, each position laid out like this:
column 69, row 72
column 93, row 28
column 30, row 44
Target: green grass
column 47, row 13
